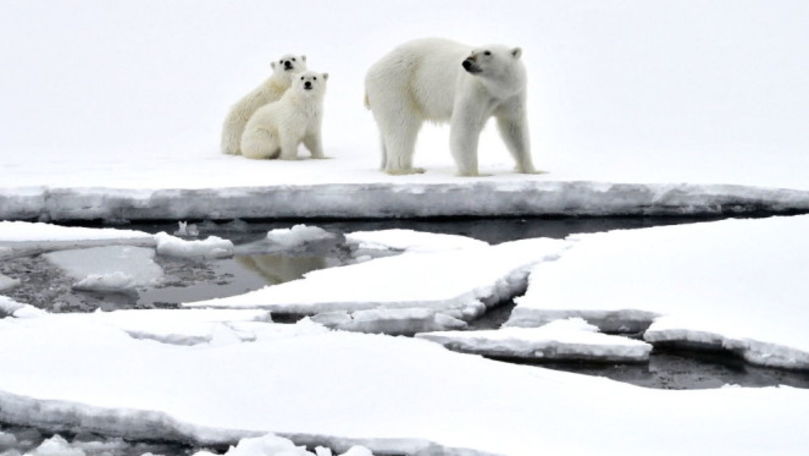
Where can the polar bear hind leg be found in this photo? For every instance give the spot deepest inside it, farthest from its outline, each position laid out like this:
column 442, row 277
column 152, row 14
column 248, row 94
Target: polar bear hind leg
column 259, row 144
column 399, row 126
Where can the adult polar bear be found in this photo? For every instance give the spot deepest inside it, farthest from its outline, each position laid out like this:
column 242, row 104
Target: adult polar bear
column 441, row 80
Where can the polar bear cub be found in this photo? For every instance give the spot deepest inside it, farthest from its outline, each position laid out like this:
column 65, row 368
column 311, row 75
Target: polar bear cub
column 284, row 69
column 276, row 129
column 443, row 81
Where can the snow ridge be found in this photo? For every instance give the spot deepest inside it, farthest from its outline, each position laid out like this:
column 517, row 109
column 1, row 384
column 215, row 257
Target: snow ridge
column 63, row 416
column 379, row 200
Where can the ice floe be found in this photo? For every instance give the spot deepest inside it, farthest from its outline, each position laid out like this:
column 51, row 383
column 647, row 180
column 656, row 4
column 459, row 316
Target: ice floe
column 734, row 284
column 562, row 340
column 7, row 283
column 211, row 247
column 390, row 321
column 108, row 267
column 461, row 283
column 27, row 236
column 411, row 240
column 362, row 387
column 297, row 235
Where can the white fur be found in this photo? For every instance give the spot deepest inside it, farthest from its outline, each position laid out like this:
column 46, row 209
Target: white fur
column 270, row 90
column 425, row 80
column 277, row 129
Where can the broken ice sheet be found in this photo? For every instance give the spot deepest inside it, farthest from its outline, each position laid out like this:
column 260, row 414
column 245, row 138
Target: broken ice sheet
column 106, row 267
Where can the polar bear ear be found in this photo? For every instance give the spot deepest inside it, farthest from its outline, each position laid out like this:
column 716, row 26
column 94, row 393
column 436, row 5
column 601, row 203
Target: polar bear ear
column 303, row 57
column 325, row 76
column 516, row 53
column 272, row 64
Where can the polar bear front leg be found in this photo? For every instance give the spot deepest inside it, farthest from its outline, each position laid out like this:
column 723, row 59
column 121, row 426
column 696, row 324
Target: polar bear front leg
column 514, row 131
column 313, row 142
column 289, row 145
column 465, row 127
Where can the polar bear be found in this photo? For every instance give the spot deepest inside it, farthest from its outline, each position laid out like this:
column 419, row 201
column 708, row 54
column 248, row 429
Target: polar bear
column 441, row 80
column 276, row 129
column 284, row 69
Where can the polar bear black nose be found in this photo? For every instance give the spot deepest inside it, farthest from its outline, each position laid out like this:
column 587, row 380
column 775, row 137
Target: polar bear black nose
column 287, row 65
column 307, row 85
column 467, row 64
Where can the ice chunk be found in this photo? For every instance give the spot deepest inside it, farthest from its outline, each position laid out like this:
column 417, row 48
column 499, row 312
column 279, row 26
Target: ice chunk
column 411, row 241
column 390, row 321
column 733, row 284
column 297, row 235
column 567, row 340
column 461, row 283
column 12, row 308
column 212, row 247
column 45, row 236
column 56, row 446
column 96, row 264
column 114, row 281
column 7, row 283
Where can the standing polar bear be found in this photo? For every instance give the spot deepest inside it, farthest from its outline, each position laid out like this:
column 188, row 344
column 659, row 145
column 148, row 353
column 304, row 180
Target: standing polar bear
column 277, row 129
column 284, row 69
column 441, row 80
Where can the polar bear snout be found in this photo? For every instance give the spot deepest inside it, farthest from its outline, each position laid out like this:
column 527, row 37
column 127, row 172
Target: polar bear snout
column 307, row 85
column 471, row 66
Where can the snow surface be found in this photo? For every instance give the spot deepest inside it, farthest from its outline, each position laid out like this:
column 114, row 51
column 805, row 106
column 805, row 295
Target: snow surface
column 407, row 321
column 109, row 266
column 734, row 284
column 568, row 340
column 461, row 283
column 366, row 386
column 31, row 236
column 619, row 92
column 212, row 247
column 411, row 240
column 180, row 327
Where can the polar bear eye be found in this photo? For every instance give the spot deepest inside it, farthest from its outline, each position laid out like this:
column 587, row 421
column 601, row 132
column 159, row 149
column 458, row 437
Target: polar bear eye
column 315, row 78
column 487, row 53
column 301, row 78
column 293, row 59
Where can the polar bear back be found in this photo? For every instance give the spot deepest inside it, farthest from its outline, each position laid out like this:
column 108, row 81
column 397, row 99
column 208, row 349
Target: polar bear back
column 426, row 70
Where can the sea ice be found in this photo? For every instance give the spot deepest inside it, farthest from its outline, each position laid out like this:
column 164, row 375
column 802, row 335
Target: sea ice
column 110, row 265
column 404, row 321
column 272, row 445
column 411, row 241
column 562, row 340
column 361, row 386
column 212, row 247
column 34, row 237
column 7, row 283
column 461, row 283
column 733, row 284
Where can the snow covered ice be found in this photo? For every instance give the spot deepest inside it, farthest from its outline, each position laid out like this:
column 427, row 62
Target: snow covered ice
column 334, row 383
column 738, row 285
column 454, row 282
column 566, row 340
column 211, row 247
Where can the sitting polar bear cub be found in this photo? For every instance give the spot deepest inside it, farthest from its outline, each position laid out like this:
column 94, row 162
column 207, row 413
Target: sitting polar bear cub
column 270, row 90
column 441, row 80
column 278, row 128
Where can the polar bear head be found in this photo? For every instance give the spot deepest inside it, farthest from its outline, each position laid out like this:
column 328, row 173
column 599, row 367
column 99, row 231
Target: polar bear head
column 310, row 83
column 289, row 64
column 493, row 62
